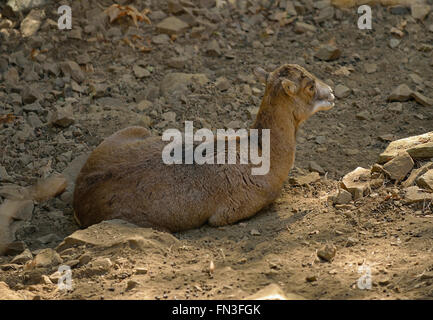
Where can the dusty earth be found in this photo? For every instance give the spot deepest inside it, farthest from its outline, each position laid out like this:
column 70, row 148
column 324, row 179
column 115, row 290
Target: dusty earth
column 52, row 114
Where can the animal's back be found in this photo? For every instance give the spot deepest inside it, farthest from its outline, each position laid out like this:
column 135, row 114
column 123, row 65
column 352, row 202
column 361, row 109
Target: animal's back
column 126, row 178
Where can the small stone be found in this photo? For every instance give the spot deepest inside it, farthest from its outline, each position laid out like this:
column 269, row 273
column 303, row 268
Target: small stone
column 342, row 91
column 161, row 39
column 23, row 257
column 426, row 180
column 131, row 285
column 393, row 43
column 342, row 197
column 421, row 99
column 169, row 116
column 141, row 271
column 222, row 84
column 140, row 72
column 397, row 32
column 370, row 67
column 328, row 52
column 401, row 93
column 419, row 11
column 172, row 26
column 396, row 107
column 46, row 258
column 301, row 27
column 255, row 232
column 84, row 259
column 31, row 23
column 351, row 242
column 102, row 264
column 4, row 177
column 363, row 115
column 399, row 10
column 399, row 167
column 311, row 278
column 327, row 253
column 305, row 180
column 63, row 116
column 73, row 69
column 315, row 167
column 213, row 49
column 177, row 62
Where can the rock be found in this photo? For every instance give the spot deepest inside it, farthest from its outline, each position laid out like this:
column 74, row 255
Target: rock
column 179, row 82
column 311, row 278
column 421, row 99
column 328, row 52
column 101, row 264
column 140, row 72
column 363, row 115
column 396, row 107
column 327, row 253
column 414, row 194
column 222, row 84
column 426, row 180
column 48, row 188
column 31, row 23
column 131, row 285
column 315, row 167
column 342, row 91
column 29, row 95
column 301, row 27
column 401, row 93
column 4, row 177
column 419, row 11
column 416, row 173
column 356, row 182
column 174, row 7
column 394, row 43
column 305, row 180
column 46, row 258
column 418, row 147
column 255, row 232
column 274, row 292
column 351, row 242
column 72, row 69
column 177, row 62
column 161, row 39
column 169, row 116
column 399, row 166
column 213, row 49
column 370, row 67
column 342, row 197
column 399, row 10
column 24, row 5
column 62, row 116
column 17, row 209
column 397, row 32
column 172, row 26
column 23, row 257
column 141, row 271
column 7, row 294
column 114, row 233
column 325, row 14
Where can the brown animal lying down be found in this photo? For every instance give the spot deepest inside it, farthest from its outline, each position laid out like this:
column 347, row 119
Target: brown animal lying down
column 125, row 177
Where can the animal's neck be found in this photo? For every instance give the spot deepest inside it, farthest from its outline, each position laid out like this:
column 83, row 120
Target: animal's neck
column 278, row 117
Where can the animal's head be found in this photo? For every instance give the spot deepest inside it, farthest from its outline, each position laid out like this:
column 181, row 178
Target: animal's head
column 293, row 85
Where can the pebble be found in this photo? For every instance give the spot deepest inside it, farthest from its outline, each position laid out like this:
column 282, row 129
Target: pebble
column 327, row 252
column 172, row 26
column 399, row 167
column 341, row 91
column 328, row 52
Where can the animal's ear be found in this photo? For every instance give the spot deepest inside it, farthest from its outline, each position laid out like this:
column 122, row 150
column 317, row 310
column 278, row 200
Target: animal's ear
column 289, row 87
column 261, row 75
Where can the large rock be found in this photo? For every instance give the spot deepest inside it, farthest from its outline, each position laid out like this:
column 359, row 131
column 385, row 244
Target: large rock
column 414, row 194
column 426, row 180
column 114, row 233
column 399, row 167
column 22, row 5
column 418, row 147
column 357, row 182
column 46, row 258
column 178, row 82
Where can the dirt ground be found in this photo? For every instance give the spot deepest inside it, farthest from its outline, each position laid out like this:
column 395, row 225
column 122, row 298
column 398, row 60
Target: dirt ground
column 122, row 87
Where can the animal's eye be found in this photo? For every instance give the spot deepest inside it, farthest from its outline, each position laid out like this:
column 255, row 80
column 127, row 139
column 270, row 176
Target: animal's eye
column 311, row 87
